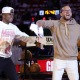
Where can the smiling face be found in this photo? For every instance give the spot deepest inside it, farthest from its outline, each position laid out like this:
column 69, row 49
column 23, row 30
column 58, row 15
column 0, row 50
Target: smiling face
column 66, row 13
column 8, row 17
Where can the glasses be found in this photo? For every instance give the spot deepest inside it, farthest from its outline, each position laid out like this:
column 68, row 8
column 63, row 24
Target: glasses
column 66, row 10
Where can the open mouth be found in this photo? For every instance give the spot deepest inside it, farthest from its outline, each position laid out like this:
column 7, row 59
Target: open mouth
column 67, row 15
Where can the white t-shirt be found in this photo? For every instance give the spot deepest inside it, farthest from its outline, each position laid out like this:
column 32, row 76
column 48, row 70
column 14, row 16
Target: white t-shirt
column 7, row 35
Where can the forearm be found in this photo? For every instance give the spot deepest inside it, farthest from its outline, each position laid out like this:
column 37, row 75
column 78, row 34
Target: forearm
column 45, row 23
column 25, row 39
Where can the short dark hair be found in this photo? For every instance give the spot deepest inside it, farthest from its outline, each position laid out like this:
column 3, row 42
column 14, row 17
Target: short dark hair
column 61, row 9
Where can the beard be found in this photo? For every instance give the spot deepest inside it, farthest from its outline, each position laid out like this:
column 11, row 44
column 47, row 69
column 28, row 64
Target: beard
column 67, row 18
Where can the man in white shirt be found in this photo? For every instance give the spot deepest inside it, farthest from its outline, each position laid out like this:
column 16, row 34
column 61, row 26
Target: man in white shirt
column 8, row 32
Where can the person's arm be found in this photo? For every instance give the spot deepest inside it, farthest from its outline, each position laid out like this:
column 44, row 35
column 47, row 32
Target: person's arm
column 45, row 23
column 23, row 36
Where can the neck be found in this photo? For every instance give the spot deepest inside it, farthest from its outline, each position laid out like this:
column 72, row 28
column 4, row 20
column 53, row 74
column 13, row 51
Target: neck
column 5, row 21
column 64, row 20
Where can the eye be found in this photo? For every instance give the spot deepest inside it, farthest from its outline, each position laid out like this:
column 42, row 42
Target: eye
column 67, row 10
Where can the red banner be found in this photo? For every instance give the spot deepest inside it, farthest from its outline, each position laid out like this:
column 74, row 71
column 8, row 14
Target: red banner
column 45, row 65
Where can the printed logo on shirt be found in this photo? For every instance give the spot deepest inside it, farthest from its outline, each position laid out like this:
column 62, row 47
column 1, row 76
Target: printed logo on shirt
column 6, row 40
column 5, row 47
column 7, row 35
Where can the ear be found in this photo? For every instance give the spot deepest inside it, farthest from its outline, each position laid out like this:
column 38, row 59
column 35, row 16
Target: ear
column 61, row 14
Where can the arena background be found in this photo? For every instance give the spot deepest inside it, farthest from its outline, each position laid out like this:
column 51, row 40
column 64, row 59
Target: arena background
column 29, row 11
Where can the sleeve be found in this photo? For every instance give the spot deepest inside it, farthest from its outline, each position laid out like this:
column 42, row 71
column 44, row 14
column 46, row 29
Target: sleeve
column 45, row 23
column 21, row 35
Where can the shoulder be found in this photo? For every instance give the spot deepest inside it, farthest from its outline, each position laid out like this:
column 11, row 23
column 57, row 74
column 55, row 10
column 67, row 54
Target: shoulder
column 56, row 23
column 13, row 25
column 1, row 23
